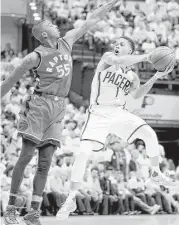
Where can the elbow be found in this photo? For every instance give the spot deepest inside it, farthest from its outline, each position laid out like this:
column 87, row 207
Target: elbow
column 135, row 96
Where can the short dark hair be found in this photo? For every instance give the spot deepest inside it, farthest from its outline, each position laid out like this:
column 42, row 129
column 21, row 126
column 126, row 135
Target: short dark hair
column 95, row 168
column 131, row 42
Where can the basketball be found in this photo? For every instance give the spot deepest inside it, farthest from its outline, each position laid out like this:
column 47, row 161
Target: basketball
column 162, row 57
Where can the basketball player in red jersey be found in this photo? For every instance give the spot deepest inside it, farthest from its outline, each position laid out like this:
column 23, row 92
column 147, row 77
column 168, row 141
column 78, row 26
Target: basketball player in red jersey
column 41, row 116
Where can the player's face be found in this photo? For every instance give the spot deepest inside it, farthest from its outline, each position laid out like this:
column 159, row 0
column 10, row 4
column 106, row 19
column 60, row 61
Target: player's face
column 51, row 30
column 122, row 47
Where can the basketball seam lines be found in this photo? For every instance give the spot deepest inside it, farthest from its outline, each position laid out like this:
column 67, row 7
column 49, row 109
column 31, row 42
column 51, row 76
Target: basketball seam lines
column 162, row 57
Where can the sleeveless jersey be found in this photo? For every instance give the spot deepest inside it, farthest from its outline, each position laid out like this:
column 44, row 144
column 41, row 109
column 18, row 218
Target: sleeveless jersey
column 114, row 86
column 54, row 73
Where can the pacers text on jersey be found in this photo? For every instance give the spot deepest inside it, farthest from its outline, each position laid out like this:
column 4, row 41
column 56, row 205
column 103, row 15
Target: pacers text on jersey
column 119, row 80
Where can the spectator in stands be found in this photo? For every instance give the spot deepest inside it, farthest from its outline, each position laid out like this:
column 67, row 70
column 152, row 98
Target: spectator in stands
column 110, row 194
column 8, row 51
column 58, row 187
column 85, row 190
column 127, row 204
column 96, row 192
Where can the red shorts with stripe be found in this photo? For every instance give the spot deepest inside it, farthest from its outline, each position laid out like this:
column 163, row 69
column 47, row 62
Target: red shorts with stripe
column 41, row 119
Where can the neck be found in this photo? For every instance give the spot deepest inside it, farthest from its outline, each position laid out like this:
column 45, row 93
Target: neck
column 50, row 43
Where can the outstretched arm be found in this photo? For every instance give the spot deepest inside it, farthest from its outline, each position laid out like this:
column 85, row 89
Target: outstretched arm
column 126, row 60
column 73, row 35
column 140, row 91
column 29, row 62
column 94, row 89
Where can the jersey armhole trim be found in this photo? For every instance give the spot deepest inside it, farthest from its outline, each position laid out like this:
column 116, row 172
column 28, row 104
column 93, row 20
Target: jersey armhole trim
column 67, row 44
column 40, row 57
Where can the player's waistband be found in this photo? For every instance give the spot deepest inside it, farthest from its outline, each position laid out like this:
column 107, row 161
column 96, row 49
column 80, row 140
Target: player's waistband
column 53, row 97
column 111, row 105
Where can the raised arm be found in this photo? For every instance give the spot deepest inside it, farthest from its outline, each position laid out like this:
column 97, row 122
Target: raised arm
column 94, row 89
column 140, row 91
column 126, row 60
column 29, row 62
column 73, row 35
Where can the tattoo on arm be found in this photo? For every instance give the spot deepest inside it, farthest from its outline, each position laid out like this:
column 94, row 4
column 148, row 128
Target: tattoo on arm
column 144, row 89
column 28, row 63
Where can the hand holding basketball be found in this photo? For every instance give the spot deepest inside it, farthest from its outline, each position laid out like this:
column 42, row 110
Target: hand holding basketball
column 162, row 58
column 164, row 73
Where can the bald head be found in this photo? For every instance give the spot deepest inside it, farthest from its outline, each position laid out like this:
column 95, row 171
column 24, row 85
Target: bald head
column 45, row 29
column 37, row 29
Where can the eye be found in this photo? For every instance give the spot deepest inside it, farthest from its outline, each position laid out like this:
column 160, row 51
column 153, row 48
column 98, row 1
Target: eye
column 121, row 44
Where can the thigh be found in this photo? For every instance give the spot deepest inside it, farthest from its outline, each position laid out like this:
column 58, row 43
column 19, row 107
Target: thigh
column 33, row 119
column 95, row 130
column 125, row 124
column 46, row 152
column 28, row 148
column 55, row 126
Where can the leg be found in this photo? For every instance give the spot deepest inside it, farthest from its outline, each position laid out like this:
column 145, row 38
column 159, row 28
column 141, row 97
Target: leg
column 95, row 128
column 26, row 155
column 105, row 205
column 148, row 135
column 142, row 197
column 145, row 207
column 80, row 204
column 28, row 148
column 121, row 206
column 77, row 174
column 79, row 165
column 44, row 163
column 158, row 199
column 87, row 204
column 126, row 204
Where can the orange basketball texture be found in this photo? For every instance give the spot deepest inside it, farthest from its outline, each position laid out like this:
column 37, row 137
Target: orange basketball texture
column 162, row 57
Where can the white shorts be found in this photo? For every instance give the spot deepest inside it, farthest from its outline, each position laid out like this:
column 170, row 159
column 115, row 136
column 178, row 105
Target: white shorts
column 102, row 120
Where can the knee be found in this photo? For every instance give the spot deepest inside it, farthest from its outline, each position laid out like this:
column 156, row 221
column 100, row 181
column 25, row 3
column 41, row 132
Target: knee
column 148, row 133
column 86, row 148
column 44, row 165
column 105, row 198
column 25, row 159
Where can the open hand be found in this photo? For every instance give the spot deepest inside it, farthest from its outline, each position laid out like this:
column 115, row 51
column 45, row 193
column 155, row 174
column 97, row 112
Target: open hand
column 166, row 71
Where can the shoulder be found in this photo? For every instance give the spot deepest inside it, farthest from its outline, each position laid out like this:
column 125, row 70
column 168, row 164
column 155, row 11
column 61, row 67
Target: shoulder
column 31, row 60
column 106, row 57
column 107, row 54
column 66, row 41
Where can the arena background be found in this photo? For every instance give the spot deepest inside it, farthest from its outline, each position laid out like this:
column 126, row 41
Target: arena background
column 149, row 23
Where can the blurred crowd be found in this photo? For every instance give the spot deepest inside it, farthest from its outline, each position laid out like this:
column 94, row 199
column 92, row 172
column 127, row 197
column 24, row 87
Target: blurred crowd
column 157, row 25
column 114, row 181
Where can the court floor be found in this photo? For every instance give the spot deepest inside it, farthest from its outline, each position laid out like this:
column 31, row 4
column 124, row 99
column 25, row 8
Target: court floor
column 112, row 220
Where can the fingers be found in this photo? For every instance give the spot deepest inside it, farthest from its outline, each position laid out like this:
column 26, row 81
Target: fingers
column 170, row 67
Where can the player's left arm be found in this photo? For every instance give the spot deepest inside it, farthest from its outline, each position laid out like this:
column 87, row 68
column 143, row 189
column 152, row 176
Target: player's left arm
column 138, row 91
column 94, row 89
column 73, row 35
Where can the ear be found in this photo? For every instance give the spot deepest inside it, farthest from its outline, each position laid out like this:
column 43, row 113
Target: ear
column 44, row 35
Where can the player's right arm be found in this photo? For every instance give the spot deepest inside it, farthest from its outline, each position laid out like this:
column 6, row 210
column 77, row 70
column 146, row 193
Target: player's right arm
column 126, row 60
column 31, row 61
column 140, row 91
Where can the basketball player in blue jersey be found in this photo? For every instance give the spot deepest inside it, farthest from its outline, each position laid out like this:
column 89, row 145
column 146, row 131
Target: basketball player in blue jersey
column 41, row 115
column 112, row 83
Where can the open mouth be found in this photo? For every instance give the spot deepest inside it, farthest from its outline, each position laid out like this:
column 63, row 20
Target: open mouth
column 116, row 51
